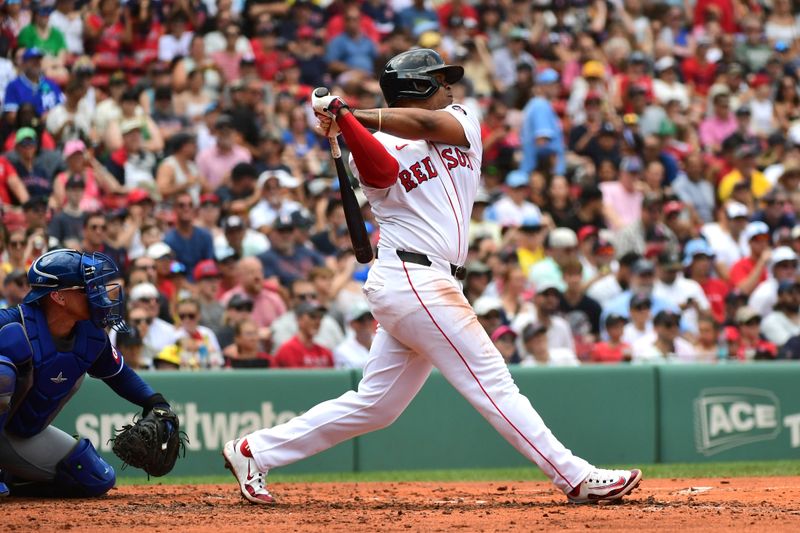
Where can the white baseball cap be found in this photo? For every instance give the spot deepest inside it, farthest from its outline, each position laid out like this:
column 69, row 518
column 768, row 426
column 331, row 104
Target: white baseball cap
column 143, row 291
column 736, row 210
column 285, row 179
column 158, row 250
column 485, row 304
column 755, row 228
column 562, row 238
column 357, row 310
column 781, row 254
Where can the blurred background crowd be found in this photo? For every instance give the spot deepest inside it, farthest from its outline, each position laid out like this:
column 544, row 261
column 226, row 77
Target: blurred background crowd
column 640, row 172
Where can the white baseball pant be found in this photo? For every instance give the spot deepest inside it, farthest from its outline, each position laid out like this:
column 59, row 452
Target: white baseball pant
column 425, row 321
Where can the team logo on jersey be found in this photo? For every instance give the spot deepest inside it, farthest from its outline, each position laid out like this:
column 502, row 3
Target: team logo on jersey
column 459, row 108
column 59, row 379
column 417, row 174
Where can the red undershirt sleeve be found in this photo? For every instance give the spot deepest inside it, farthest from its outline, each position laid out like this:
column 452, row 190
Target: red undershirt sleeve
column 377, row 167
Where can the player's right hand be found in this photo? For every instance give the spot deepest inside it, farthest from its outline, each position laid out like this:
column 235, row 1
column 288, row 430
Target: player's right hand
column 327, row 126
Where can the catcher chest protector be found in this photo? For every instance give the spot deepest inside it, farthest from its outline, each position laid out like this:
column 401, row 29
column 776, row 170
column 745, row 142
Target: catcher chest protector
column 54, row 376
column 411, row 75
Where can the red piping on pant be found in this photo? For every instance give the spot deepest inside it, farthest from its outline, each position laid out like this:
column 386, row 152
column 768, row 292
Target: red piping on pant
column 479, row 382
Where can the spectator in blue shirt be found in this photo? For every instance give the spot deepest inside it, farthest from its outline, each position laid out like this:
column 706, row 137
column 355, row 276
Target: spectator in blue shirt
column 286, row 259
column 190, row 243
column 351, row 49
column 417, row 18
column 31, row 87
column 541, row 127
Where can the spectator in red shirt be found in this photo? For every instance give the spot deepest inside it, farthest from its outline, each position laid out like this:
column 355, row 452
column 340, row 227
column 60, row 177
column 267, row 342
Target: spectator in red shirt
column 300, row 351
column 698, row 73
column 751, row 344
column 698, row 257
column 748, row 272
column 614, row 350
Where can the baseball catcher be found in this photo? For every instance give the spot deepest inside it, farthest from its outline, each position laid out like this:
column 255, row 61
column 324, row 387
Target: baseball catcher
column 47, row 346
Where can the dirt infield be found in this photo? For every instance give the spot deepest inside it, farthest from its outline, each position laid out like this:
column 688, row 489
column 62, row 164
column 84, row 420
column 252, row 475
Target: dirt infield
column 751, row 504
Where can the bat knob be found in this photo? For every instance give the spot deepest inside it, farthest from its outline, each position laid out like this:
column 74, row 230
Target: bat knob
column 320, row 92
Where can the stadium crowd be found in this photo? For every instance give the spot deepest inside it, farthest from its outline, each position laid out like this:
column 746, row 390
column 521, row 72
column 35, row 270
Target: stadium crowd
column 640, row 173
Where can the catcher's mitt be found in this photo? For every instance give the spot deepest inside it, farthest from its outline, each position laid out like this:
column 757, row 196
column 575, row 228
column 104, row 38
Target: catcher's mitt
column 152, row 442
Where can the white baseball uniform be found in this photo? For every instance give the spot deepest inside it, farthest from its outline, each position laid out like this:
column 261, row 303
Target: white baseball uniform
column 424, row 318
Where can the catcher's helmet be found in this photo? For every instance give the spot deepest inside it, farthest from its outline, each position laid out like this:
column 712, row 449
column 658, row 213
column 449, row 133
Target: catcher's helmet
column 410, row 75
column 70, row 269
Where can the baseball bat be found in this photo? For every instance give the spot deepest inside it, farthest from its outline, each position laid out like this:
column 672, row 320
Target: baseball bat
column 352, row 212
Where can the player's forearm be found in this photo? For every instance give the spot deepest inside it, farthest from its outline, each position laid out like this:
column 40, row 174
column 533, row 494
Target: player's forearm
column 378, row 168
column 414, row 124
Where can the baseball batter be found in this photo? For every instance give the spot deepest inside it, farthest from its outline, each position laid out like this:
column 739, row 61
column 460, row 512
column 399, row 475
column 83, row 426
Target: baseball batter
column 420, row 172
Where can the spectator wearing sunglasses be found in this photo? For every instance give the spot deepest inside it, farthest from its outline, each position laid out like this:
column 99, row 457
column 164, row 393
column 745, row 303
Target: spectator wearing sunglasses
column 666, row 345
column 95, row 239
column 196, row 346
column 190, row 242
column 301, row 350
column 137, row 353
column 329, row 333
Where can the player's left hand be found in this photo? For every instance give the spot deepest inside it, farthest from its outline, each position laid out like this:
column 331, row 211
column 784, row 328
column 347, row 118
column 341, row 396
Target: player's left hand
column 329, row 105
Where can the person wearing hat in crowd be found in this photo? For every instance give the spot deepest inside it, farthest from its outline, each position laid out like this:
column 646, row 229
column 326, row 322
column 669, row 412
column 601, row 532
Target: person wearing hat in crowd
column 301, row 351
column 640, row 323
column 206, row 278
column 504, row 339
column 589, row 87
column 685, row 294
column 66, row 121
column 744, row 171
column 617, row 280
column 583, row 131
column 162, row 256
column 650, row 228
column 667, row 86
column 743, row 135
column 783, row 322
column 216, row 162
column 561, row 246
column 34, row 212
column 622, row 199
column 748, row 272
column 196, row 345
column 67, row 224
column 514, row 206
column 540, row 353
column 239, row 309
column 330, row 333
column 15, row 287
column 666, row 345
column 507, row 59
column 613, row 350
column 541, row 121
column 209, row 215
column 34, row 176
column 528, row 240
column 698, row 261
column 490, row 312
column 31, row 87
column 783, row 267
column 693, row 188
column 178, row 173
column 83, row 166
column 642, row 282
column 478, row 277
column 546, row 302
column 352, row 352
column 597, row 259
column 132, row 164
column 752, row 346
column 725, row 236
column 159, row 333
column 274, row 200
column 286, row 259
column 227, row 259
column 245, row 241
column 190, row 243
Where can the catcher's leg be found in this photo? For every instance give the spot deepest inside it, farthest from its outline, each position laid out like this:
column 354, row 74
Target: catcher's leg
column 54, row 464
column 392, row 377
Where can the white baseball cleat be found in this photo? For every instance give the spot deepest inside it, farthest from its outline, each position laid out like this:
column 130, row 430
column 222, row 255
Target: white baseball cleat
column 605, row 485
column 243, row 467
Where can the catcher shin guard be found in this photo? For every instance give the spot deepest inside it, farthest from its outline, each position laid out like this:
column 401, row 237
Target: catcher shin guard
column 84, row 473
column 8, row 379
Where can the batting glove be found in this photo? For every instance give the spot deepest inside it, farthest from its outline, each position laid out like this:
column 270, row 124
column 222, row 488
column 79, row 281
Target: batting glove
column 328, row 105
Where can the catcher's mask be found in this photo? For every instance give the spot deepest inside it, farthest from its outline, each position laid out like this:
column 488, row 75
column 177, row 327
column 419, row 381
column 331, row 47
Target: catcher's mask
column 95, row 273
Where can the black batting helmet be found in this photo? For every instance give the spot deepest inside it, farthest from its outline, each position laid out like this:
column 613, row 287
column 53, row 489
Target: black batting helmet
column 410, row 75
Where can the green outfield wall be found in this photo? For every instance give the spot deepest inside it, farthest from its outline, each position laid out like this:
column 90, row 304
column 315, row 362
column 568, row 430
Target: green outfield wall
column 607, row 414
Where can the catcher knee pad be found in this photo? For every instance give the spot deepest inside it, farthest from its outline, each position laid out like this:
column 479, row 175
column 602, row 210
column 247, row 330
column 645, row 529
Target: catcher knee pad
column 84, row 473
column 8, row 380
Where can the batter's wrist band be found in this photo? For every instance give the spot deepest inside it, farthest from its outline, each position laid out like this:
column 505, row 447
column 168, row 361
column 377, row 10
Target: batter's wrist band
column 336, row 105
